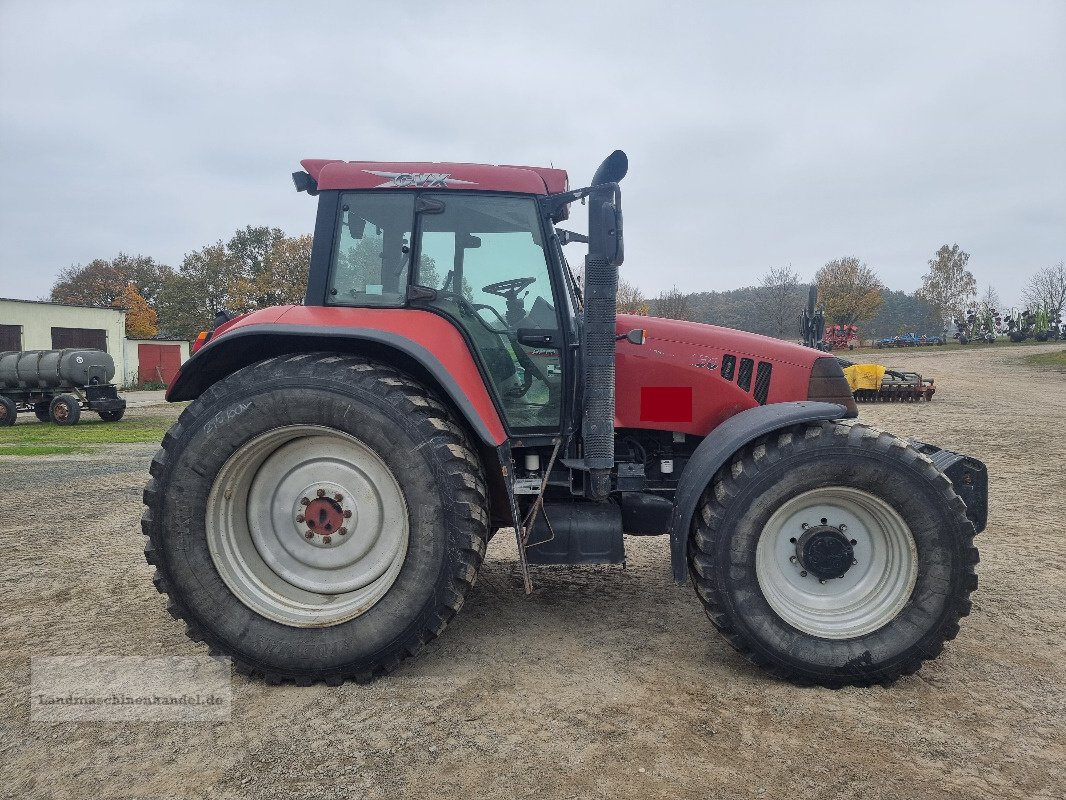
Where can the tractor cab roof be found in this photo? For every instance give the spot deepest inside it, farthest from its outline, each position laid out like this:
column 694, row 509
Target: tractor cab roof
column 332, row 174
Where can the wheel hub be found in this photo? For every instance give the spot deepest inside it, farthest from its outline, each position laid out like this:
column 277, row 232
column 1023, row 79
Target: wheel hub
column 825, row 552
column 323, row 515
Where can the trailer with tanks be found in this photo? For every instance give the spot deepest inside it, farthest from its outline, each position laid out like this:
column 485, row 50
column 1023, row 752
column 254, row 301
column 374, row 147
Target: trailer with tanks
column 57, row 385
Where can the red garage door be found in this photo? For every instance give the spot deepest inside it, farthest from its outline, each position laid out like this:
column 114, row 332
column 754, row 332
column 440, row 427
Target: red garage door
column 158, row 362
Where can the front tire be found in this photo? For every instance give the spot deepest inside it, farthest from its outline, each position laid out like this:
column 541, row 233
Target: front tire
column 834, row 554
column 390, row 482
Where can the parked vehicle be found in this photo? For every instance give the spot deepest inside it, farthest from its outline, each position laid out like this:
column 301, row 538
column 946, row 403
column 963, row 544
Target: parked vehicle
column 57, row 385
column 323, row 505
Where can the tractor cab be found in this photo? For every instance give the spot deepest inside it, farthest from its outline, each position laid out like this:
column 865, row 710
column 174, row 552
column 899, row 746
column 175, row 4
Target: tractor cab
column 483, row 261
column 474, row 244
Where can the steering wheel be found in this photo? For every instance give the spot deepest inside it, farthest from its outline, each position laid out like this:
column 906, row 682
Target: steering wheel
column 508, row 289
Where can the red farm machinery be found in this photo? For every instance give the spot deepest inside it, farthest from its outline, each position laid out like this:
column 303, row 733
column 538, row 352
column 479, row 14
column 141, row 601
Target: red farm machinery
column 322, row 506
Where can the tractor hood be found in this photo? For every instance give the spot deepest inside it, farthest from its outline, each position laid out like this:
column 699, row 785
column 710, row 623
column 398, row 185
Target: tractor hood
column 690, row 377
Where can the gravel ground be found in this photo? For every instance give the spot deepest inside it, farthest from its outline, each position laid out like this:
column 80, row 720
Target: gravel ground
column 604, row 683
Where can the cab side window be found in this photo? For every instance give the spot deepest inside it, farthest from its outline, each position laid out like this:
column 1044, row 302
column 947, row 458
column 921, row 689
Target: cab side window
column 371, row 259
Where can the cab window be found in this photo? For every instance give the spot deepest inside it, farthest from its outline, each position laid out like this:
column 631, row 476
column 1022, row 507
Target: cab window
column 371, row 259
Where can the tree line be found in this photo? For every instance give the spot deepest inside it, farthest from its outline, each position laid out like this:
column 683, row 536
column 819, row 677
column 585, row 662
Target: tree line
column 260, row 266
column 255, row 268
column 850, row 292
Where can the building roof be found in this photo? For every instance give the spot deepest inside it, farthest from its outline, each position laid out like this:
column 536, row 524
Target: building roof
column 62, row 305
column 332, row 174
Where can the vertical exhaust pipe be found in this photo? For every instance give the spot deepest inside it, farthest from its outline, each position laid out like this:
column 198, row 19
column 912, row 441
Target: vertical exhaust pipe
column 598, row 334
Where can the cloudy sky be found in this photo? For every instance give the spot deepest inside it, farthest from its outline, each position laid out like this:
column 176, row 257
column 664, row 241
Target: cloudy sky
column 759, row 134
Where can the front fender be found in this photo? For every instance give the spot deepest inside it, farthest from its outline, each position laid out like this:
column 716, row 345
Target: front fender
column 717, row 448
column 422, row 344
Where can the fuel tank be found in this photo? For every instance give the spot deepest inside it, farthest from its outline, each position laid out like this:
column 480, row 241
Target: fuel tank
column 690, row 377
column 52, row 369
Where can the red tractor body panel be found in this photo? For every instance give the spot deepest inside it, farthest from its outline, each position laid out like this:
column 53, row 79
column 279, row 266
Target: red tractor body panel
column 332, row 174
column 675, row 381
column 430, row 331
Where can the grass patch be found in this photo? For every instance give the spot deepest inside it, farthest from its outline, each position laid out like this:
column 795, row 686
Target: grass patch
column 1052, row 359
column 80, row 438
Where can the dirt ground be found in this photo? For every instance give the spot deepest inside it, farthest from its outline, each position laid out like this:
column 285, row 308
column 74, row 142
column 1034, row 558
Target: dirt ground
column 604, row 683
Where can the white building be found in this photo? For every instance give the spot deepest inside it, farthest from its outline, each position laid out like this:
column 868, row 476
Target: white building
column 37, row 325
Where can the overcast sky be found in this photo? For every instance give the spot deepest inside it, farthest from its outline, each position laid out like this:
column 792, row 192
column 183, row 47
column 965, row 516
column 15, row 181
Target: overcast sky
column 758, row 134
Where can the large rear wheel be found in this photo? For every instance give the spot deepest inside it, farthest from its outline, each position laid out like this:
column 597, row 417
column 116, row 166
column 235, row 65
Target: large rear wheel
column 316, row 517
column 834, row 554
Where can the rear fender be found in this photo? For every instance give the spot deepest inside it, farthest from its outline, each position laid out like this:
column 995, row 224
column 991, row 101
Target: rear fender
column 461, row 383
column 716, row 450
column 431, row 356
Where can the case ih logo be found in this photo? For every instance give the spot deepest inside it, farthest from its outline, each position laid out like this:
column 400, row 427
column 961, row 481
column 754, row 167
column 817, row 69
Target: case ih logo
column 420, row 180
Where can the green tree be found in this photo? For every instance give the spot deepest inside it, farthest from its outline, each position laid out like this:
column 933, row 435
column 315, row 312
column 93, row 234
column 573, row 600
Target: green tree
column 672, row 304
column 629, row 299
column 256, row 268
column 948, row 284
column 848, row 290
column 100, row 282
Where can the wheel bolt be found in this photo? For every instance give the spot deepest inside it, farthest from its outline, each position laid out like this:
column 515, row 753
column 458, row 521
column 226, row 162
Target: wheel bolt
column 347, row 514
column 300, row 518
column 821, row 581
column 843, row 528
column 321, row 492
column 792, row 559
column 803, row 574
column 338, row 497
column 304, row 501
column 309, row 535
column 325, row 540
column 342, row 531
column 854, row 561
column 805, row 526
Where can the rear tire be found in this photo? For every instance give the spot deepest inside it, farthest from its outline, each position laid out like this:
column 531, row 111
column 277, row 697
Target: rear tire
column 65, row 409
column 112, row 416
column 287, row 602
column 906, row 576
column 8, row 411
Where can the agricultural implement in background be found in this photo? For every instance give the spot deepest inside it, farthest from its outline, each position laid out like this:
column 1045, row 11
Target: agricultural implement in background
column 841, row 337
column 978, row 324
column 872, row 383
column 1042, row 324
column 908, row 340
column 57, row 385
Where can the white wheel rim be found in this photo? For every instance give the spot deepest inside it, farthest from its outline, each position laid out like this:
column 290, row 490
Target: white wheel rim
column 873, row 590
column 307, row 526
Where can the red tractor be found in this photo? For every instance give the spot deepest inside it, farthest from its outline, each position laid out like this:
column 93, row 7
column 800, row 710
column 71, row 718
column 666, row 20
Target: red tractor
column 322, row 506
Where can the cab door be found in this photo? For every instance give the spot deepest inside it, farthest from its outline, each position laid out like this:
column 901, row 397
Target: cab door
column 485, row 257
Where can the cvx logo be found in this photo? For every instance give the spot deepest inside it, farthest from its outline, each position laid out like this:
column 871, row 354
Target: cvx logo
column 417, row 180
